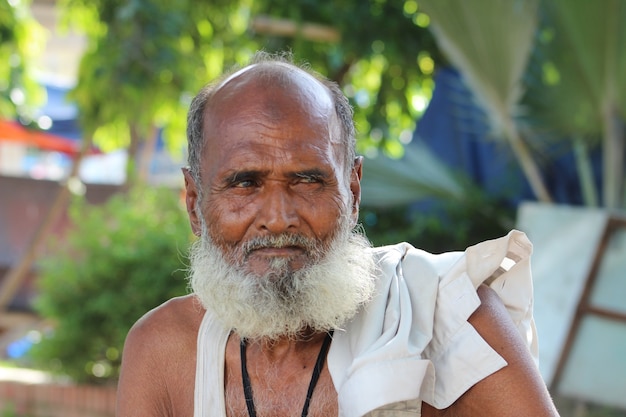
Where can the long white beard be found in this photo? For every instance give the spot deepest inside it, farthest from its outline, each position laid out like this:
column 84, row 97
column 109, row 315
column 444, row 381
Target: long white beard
column 320, row 296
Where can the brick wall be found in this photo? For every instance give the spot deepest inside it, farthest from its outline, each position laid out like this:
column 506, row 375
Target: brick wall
column 56, row 400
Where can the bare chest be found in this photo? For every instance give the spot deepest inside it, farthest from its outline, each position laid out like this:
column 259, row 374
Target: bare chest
column 279, row 393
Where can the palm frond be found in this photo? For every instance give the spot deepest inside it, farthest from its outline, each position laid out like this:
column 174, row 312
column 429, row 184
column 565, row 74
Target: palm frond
column 489, row 42
column 417, row 176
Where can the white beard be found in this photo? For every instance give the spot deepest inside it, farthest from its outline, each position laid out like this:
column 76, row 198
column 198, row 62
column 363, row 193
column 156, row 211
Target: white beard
column 320, row 296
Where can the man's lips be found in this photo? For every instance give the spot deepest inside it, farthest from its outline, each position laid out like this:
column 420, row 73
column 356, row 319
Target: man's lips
column 286, row 251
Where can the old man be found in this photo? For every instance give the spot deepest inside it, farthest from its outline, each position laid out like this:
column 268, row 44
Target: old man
column 292, row 312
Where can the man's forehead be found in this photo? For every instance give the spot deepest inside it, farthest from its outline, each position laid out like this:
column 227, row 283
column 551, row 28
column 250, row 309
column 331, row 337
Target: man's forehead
column 270, row 92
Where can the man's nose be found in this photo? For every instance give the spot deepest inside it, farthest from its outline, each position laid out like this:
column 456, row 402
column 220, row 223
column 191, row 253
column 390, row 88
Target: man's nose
column 277, row 212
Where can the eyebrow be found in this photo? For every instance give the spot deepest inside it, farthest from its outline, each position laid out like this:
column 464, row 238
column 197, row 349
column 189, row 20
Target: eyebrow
column 254, row 174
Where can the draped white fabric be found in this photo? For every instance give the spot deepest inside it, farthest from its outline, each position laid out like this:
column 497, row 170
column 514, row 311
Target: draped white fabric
column 412, row 342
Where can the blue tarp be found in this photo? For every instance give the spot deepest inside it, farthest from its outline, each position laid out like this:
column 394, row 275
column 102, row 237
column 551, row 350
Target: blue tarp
column 457, row 131
column 62, row 112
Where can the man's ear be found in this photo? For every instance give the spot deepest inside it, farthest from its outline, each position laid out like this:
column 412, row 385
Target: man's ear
column 355, row 187
column 192, row 200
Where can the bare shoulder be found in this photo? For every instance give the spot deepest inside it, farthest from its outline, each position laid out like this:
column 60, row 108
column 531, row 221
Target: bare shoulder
column 158, row 361
column 515, row 390
column 167, row 332
column 180, row 316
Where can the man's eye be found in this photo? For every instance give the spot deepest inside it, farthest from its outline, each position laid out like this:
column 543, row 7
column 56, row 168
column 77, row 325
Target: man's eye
column 309, row 179
column 244, row 184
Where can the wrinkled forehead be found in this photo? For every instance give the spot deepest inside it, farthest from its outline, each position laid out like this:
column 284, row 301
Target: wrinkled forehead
column 271, row 95
column 276, row 93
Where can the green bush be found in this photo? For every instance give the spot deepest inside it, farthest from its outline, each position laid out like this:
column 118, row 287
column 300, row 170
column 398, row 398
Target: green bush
column 118, row 261
column 439, row 226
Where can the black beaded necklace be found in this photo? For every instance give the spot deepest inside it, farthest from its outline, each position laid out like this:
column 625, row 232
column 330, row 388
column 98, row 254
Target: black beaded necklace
column 317, row 370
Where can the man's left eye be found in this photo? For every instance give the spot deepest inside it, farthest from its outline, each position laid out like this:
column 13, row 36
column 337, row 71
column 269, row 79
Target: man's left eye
column 309, row 179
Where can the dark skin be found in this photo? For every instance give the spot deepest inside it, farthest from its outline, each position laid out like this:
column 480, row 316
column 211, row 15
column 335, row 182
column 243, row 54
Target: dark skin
column 275, row 165
column 162, row 350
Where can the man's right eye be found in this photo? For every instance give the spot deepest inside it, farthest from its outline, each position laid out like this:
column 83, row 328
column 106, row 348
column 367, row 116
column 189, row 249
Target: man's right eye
column 243, row 184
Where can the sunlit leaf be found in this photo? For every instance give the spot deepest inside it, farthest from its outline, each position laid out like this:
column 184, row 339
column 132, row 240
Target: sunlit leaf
column 22, row 40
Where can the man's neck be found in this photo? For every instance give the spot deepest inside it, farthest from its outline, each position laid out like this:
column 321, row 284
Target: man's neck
column 276, row 348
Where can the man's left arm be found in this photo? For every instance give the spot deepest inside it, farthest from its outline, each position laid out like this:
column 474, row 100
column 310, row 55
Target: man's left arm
column 517, row 390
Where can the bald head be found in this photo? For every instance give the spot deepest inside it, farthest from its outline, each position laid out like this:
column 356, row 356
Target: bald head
column 272, row 90
column 268, row 78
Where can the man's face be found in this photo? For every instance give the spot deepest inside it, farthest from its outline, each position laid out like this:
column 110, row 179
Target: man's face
column 272, row 167
column 275, row 210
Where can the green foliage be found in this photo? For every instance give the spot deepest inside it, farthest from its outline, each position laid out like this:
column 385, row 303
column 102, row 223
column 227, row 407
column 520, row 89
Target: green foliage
column 384, row 60
column 8, row 410
column 441, row 224
column 143, row 57
column 21, row 38
column 119, row 260
column 146, row 57
column 576, row 87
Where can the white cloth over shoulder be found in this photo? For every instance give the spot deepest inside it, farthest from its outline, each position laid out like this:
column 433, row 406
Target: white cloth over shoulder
column 412, row 342
column 413, row 339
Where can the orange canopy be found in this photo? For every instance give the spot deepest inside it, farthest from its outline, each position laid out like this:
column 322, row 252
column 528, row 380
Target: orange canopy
column 13, row 131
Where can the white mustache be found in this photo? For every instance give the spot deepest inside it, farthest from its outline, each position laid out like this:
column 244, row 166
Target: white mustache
column 283, row 240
